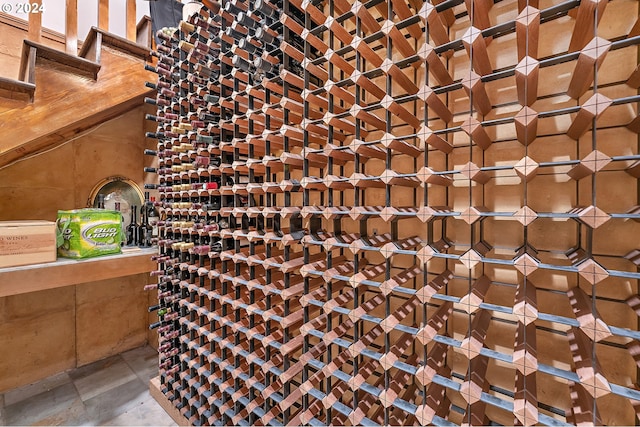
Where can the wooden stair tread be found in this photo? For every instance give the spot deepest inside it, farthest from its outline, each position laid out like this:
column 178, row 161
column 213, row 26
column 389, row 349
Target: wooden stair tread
column 82, row 65
column 142, row 22
column 144, row 32
column 24, row 88
column 120, row 43
column 16, row 85
column 16, row 89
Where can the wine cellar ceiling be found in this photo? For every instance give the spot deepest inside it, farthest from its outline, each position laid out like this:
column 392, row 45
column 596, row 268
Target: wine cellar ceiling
column 400, row 212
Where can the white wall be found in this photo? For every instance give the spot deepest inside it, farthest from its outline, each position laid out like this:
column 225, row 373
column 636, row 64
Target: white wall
column 53, row 16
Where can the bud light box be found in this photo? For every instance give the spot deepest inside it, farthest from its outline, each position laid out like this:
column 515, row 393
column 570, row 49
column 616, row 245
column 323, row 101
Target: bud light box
column 86, row 233
column 27, row 242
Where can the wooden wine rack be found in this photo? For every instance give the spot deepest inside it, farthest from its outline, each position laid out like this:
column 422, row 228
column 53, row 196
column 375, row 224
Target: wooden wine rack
column 428, row 213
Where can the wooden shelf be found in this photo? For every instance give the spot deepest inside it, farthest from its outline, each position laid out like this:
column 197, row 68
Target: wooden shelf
column 66, row 272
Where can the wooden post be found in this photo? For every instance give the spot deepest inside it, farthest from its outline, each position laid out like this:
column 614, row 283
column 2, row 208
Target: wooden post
column 478, row 11
column 527, row 81
column 428, row 138
column 424, row 294
column 71, row 27
column 475, row 89
column 399, row 41
column 35, row 24
column 475, row 381
column 474, row 342
column 470, row 302
column 525, row 351
column 590, row 321
column 436, row 67
column 526, row 122
column 402, row 10
column 428, row 176
column 587, row 366
column 592, row 163
column 431, row 20
column 592, row 54
column 131, row 20
column 582, row 410
column 592, row 107
column 367, row 19
column 389, row 68
column 527, row 31
column 634, row 78
column 473, row 172
column 589, row 12
column 435, row 323
column 103, row 14
column 389, row 141
column 435, row 362
column 525, row 402
column 474, row 128
column 525, row 304
column 427, row 95
column 476, row 47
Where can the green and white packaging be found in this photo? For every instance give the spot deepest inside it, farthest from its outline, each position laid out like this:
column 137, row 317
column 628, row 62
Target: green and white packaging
column 86, row 233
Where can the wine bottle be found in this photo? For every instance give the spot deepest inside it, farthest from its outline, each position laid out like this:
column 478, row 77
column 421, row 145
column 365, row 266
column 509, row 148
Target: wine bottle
column 158, row 324
column 153, row 217
column 241, row 63
column 100, row 201
column 144, row 230
column 132, row 229
column 154, row 308
column 150, row 68
column 233, row 8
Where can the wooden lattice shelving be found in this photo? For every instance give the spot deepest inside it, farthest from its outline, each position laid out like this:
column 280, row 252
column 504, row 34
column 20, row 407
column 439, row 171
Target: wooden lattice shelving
column 397, row 212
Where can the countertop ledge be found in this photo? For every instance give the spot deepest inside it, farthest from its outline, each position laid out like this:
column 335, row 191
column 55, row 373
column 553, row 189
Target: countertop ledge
column 66, row 272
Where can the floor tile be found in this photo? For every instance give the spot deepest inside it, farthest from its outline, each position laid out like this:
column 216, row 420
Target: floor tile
column 2, row 411
column 91, row 368
column 113, row 391
column 60, row 405
column 16, row 395
column 109, row 377
column 143, row 361
column 146, row 413
column 108, row 405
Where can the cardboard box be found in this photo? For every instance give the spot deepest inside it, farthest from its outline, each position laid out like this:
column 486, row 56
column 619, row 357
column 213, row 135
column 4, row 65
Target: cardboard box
column 27, row 242
column 89, row 232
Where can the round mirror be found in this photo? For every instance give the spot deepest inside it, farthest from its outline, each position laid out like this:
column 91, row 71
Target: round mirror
column 117, row 193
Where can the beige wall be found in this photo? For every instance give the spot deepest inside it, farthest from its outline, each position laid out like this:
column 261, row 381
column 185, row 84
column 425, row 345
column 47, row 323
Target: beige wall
column 11, row 48
column 63, row 178
column 47, row 332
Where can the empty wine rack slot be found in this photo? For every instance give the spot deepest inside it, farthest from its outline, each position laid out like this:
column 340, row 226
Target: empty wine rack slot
column 400, row 212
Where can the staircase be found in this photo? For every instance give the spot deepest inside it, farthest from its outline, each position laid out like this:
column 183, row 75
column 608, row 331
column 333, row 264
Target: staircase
column 59, row 95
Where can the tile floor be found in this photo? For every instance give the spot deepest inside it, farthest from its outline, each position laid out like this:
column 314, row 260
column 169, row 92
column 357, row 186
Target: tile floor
column 113, row 392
